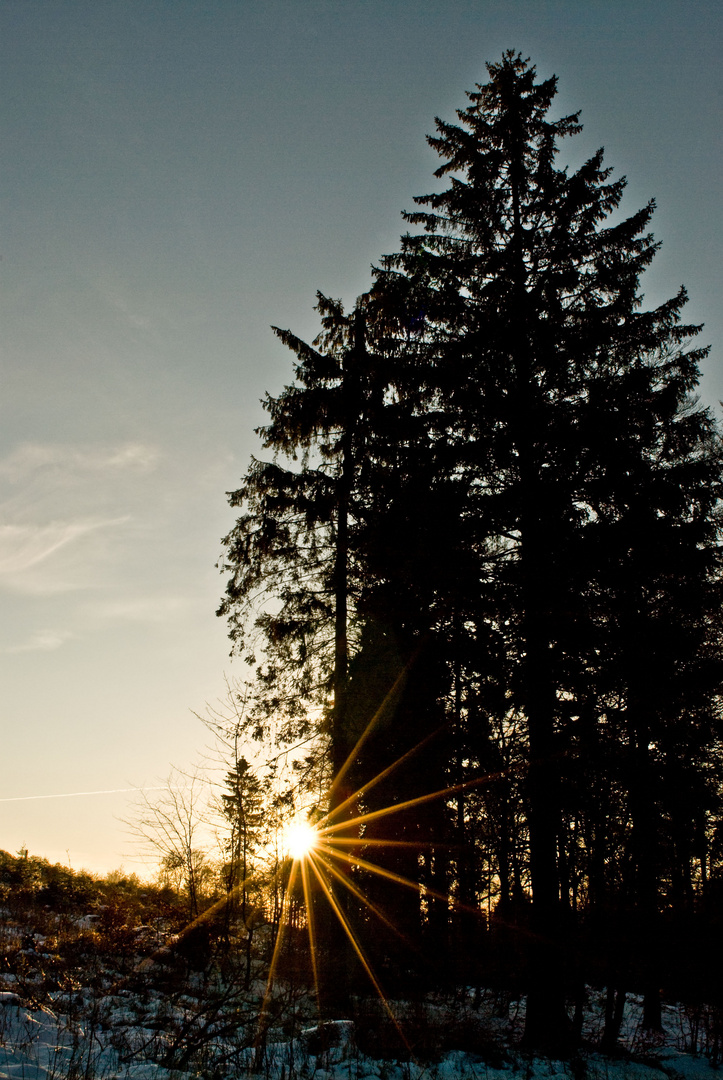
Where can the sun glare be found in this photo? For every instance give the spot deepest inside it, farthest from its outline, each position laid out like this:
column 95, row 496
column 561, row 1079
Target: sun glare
column 323, row 858
column 301, row 839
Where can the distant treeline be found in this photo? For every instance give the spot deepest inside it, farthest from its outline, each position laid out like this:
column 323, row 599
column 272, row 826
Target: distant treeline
column 25, row 877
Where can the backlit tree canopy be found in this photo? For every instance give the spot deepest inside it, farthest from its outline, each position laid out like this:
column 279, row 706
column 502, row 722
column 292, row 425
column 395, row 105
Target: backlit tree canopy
column 491, row 521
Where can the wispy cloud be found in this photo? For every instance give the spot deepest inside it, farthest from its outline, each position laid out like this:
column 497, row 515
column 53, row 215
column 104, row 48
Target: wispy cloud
column 148, row 319
column 42, row 641
column 33, row 458
column 61, row 506
column 24, row 546
column 77, row 794
column 145, row 609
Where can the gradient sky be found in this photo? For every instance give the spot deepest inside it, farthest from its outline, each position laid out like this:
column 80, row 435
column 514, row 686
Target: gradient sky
column 176, row 177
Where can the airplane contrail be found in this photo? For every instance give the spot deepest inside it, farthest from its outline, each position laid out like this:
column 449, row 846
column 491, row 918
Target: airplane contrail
column 74, row 794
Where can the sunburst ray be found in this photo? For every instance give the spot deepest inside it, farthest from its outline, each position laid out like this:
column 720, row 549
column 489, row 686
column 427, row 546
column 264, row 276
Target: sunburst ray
column 311, row 930
column 354, row 754
column 417, row 886
column 356, row 891
column 370, row 784
column 418, row 800
column 276, row 954
column 356, row 946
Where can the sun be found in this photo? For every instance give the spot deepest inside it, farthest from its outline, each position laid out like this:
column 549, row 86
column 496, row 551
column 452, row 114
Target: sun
column 300, row 839
column 324, row 856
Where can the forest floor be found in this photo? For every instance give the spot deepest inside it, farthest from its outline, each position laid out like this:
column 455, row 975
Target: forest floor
column 72, row 1008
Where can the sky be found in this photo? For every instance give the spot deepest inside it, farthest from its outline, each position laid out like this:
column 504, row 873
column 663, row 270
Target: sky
column 177, row 176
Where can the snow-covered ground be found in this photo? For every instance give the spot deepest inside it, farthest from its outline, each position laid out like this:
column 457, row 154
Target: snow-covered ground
column 84, row 997
column 147, row 1037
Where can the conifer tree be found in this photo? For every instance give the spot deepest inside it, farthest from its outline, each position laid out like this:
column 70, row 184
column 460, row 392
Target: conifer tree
column 526, row 300
column 288, row 596
column 294, row 554
column 507, row 494
column 243, row 806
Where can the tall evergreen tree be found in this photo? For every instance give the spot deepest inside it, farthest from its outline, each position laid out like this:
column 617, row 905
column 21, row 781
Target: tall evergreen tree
column 527, row 302
column 506, row 494
column 288, row 596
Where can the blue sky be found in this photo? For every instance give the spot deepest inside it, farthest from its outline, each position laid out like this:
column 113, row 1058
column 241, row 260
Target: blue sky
column 176, row 177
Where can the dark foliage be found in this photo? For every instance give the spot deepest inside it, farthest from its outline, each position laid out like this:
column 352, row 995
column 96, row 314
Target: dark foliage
column 491, row 533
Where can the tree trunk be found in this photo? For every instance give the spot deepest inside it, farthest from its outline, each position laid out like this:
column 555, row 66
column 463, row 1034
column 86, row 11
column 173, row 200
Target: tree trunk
column 546, row 1023
column 614, row 1010
column 335, row 974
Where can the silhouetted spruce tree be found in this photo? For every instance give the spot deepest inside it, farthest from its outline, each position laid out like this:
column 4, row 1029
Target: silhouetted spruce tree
column 525, row 302
column 414, row 651
column 344, row 550
column 288, row 597
column 243, row 806
column 505, row 498
column 655, row 492
column 295, row 572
